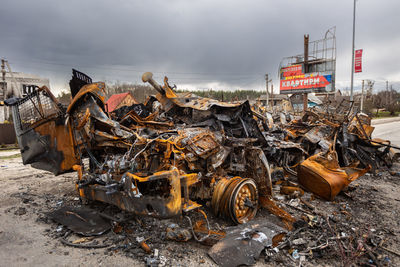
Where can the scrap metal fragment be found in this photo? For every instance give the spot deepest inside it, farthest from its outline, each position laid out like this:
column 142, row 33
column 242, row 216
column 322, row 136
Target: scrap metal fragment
column 243, row 244
column 81, row 220
column 176, row 233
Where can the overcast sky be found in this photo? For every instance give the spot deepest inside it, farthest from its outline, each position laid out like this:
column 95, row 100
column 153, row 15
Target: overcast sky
column 196, row 43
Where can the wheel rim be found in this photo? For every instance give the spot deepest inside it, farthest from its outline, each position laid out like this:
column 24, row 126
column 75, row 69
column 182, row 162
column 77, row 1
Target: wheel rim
column 244, row 201
column 235, row 198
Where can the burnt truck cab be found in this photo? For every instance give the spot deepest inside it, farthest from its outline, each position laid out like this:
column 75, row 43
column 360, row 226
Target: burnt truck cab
column 58, row 139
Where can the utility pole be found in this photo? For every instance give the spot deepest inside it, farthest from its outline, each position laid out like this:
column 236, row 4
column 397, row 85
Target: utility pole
column 362, row 97
column 16, row 92
column 387, row 93
column 272, row 95
column 352, row 53
column 391, row 94
column 3, row 75
column 266, row 87
column 4, row 89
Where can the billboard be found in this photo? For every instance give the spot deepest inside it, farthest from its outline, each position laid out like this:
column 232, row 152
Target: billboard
column 294, row 80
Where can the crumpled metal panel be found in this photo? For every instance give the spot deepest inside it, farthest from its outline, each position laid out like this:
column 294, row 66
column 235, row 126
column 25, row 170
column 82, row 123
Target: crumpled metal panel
column 322, row 175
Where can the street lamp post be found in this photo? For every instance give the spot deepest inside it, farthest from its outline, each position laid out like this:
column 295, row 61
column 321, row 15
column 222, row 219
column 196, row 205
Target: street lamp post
column 352, row 52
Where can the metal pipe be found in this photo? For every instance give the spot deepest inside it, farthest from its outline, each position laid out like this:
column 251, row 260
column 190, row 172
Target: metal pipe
column 148, row 77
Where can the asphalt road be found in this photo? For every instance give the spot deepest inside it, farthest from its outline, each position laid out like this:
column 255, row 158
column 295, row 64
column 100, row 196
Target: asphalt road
column 388, row 131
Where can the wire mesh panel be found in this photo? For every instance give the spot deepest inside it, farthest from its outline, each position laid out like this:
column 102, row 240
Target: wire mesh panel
column 35, row 107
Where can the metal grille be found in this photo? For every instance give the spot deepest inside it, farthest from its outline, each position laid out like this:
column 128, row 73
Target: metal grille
column 36, row 106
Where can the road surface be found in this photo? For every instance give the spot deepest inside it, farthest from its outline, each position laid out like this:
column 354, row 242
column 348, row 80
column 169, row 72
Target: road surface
column 388, row 131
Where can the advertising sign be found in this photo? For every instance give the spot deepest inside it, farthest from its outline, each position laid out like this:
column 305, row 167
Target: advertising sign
column 294, row 80
column 357, row 61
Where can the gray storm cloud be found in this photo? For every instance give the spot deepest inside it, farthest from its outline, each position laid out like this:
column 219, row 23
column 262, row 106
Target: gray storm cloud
column 226, row 44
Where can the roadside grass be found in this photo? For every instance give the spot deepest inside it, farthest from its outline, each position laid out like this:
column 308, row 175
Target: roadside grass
column 385, row 114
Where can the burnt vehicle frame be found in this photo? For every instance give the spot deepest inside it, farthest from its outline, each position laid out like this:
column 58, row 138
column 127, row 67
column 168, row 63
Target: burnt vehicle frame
column 122, row 169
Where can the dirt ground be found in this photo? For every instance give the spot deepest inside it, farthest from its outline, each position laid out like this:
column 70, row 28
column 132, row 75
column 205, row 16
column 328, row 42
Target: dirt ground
column 361, row 221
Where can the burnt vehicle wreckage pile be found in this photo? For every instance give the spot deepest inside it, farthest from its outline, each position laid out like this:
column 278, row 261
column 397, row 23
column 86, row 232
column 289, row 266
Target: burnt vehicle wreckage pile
column 176, row 154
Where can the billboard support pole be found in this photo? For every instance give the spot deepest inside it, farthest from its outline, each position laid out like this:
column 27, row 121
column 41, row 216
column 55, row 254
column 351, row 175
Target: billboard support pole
column 305, row 95
column 305, row 102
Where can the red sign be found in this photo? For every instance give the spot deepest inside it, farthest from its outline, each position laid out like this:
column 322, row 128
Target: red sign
column 292, row 71
column 357, row 61
column 304, row 83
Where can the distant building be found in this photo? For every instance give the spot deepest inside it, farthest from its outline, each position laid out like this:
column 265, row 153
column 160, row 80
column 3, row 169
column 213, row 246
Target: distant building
column 23, row 83
column 119, row 100
column 276, row 99
column 277, row 102
column 297, row 101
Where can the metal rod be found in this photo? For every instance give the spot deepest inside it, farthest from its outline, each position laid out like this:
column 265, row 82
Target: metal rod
column 383, row 144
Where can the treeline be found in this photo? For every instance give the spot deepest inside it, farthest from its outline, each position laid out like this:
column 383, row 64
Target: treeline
column 141, row 92
column 227, row 96
column 388, row 101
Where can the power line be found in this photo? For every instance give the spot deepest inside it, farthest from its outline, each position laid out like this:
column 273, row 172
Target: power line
column 129, row 68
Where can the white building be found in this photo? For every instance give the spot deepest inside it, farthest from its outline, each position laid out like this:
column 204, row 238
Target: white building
column 23, row 83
